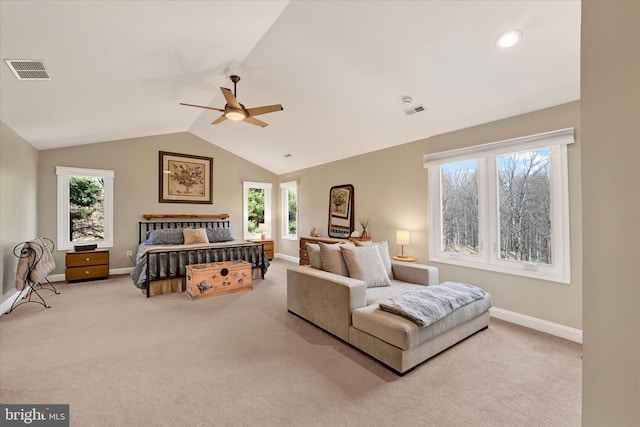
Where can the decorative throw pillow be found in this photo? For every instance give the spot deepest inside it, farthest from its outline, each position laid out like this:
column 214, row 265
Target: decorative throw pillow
column 219, row 234
column 195, row 235
column 383, row 248
column 315, row 259
column 364, row 263
column 168, row 236
column 332, row 258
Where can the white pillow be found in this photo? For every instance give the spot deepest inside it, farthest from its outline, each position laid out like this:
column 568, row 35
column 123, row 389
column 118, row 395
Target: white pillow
column 332, row 260
column 364, row 263
column 315, row 259
column 383, row 247
column 193, row 236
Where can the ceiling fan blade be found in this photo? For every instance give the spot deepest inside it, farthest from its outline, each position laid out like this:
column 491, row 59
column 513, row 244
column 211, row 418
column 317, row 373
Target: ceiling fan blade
column 220, row 119
column 202, row 106
column 264, row 110
column 255, row 122
column 231, row 100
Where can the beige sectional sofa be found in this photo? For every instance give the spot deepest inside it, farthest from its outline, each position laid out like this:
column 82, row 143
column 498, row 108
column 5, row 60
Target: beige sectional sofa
column 348, row 307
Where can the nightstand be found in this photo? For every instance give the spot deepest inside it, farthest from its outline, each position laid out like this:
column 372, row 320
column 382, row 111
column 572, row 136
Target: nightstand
column 268, row 247
column 86, row 265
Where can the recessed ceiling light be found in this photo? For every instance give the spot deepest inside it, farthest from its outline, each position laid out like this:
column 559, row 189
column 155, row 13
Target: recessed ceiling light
column 508, row 38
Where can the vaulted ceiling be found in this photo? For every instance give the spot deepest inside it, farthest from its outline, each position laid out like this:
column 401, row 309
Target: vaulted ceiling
column 340, row 69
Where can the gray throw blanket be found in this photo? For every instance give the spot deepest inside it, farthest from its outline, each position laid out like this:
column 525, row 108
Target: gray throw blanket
column 428, row 305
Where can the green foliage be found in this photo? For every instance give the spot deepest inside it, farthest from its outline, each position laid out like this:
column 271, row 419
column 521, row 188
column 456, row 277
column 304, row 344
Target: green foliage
column 293, row 214
column 84, row 192
column 86, row 196
column 256, row 209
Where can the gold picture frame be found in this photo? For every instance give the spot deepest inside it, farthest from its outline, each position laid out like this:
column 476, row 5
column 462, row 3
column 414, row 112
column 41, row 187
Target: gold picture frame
column 185, row 178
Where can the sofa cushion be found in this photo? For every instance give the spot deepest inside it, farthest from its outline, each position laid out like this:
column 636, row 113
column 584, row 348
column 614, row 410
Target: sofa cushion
column 405, row 334
column 383, row 248
column 332, row 260
column 315, row 259
column 364, row 263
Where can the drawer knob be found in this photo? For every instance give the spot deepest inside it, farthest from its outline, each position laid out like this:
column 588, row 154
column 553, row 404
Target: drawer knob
column 87, row 259
column 86, row 272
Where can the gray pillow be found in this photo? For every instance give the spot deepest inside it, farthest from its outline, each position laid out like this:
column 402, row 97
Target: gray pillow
column 364, row 263
column 332, row 258
column 219, row 234
column 315, row 259
column 168, row 236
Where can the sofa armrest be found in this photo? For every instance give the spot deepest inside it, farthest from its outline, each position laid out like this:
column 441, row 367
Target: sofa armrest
column 419, row 274
column 324, row 298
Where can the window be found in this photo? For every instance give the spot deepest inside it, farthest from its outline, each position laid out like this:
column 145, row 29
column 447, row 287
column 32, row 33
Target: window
column 85, row 207
column 503, row 206
column 289, row 210
column 257, row 209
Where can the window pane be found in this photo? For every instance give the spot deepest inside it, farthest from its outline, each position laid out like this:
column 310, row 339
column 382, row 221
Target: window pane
column 525, row 206
column 459, row 192
column 293, row 216
column 86, row 208
column 256, row 209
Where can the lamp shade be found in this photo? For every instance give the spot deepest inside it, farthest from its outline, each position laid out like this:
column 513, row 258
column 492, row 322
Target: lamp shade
column 402, row 238
column 262, row 227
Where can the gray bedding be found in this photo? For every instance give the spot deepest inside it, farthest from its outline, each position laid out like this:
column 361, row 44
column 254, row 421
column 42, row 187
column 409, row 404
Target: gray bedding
column 167, row 261
column 428, row 305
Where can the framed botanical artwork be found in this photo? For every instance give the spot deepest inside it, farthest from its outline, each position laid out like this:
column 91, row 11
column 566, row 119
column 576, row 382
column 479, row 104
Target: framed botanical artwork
column 185, row 178
column 340, row 201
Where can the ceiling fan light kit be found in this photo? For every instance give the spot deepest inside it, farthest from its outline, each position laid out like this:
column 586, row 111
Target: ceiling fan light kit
column 508, row 38
column 235, row 111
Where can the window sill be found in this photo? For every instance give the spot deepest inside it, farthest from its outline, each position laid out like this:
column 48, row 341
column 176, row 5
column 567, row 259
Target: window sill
column 518, row 269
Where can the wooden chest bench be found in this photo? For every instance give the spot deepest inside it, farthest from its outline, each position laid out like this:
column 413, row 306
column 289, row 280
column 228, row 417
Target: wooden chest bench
column 218, row 278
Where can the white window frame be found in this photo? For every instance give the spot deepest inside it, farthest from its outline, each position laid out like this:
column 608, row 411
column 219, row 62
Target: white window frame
column 285, row 187
column 488, row 257
column 64, row 211
column 266, row 186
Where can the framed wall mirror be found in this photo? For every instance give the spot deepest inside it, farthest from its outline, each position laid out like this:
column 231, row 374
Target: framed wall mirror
column 341, row 211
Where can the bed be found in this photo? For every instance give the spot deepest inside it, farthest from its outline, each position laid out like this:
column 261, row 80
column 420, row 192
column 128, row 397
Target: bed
column 163, row 253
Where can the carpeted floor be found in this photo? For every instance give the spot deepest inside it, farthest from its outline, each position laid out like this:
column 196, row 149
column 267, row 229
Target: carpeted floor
column 118, row 358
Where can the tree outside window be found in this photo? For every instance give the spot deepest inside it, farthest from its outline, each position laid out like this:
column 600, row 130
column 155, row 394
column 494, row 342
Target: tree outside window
column 86, row 199
column 85, row 207
column 257, row 208
column 289, row 209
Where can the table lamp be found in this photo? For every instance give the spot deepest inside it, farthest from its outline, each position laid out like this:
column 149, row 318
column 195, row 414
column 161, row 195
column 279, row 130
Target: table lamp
column 263, row 229
column 402, row 239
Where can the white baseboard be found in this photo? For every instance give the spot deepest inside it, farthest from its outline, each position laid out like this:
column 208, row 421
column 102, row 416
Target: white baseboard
column 287, row 258
column 6, row 304
column 551, row 328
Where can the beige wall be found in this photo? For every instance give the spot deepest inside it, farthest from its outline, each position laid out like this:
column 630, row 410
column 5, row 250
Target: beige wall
column 391, row 190
column 135, row 164
column 610, row 86
column 18, row 204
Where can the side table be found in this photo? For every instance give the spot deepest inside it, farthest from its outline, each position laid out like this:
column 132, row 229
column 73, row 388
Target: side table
column 404, row 258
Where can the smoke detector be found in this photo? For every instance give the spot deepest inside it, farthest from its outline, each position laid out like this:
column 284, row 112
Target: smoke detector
column 28, row 69
column 407, row 100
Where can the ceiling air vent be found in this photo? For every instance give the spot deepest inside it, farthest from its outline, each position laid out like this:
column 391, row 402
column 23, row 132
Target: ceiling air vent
column 28, row 69
column 413, row 110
